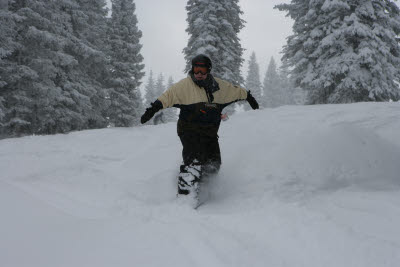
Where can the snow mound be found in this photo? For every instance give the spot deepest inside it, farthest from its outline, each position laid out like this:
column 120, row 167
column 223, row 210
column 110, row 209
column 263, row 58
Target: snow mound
column 299, row 186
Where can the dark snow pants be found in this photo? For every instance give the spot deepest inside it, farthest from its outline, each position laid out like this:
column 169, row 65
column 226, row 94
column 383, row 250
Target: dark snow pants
column 201, row 148
column 200, row 152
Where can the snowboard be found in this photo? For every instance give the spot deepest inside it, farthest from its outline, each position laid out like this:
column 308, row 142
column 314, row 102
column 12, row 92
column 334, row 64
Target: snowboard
column 195, row 198
column 192, row 187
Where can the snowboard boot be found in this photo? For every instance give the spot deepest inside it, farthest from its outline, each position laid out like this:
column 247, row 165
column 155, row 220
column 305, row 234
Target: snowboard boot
column 188, row 179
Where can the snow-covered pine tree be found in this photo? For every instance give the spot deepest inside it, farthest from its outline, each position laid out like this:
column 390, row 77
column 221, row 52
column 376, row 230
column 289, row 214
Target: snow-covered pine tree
column 8, row 45
column 2, row 115
column 292, row 95
column 8, row 42
column 159, row 86
column 271, row 86
column 150, row 90
column 126, row 63
column 285, row 86
column 253, row 82
column 15, row 72
column 90, row 22
column 159, row 89
column 170, row 82
column 213, row 28
column 3, row 4
column 344, row 50
column 39, row 96
column 90, row 26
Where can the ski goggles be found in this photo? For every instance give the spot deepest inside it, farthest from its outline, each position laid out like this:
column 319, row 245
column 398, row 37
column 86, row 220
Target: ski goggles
column 198, row 69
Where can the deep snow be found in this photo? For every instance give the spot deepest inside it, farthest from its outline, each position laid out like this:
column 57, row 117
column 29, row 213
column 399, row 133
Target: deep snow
column 299, row 186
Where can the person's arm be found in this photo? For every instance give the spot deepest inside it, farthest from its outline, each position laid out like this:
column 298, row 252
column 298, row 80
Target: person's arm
column 150, row 111
column 241, row 92
column 252, row 101
column 236, row 93
column 166, row 100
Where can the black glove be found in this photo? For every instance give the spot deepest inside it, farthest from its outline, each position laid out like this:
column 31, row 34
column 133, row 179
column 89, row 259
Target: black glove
column 155, row 106
column 252, row 101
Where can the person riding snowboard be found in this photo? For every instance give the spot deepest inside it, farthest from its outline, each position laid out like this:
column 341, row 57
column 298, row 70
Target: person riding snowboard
column 201, row 98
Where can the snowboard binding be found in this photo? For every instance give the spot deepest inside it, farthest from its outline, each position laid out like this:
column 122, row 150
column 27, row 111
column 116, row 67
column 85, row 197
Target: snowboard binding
column 189, row 183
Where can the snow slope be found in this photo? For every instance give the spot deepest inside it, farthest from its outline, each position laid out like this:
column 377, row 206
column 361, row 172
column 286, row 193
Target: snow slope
column 299, row 186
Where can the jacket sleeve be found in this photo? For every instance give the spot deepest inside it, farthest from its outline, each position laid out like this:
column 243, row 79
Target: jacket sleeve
column 240, row 93
column 168, row 98
column 231, row 93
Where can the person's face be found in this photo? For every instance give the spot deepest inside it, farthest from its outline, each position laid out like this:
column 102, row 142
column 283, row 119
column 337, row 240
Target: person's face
column 199, row 76
column 200, row 73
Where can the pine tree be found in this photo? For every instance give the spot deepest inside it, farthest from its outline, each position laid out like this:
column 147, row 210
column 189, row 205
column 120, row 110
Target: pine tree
column 3, row 5
column 90, row 22
column 271, row 86
column 126, row 63
column 292, row 95
column 170, row 82
column 150, row 90
column 55, row 68
column 90, row 26
column 8, row 46
column 159, row 86
column 287, row 93
column 15, row 71
column 159, row 89
column 2, row 115
column 40, row 97
column 253, row 79
column 59, row 68
column 344, row 51
column 8, row 42
column 213, row 28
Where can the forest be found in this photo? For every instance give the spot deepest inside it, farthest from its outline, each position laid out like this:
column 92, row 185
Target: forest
column 71, row 65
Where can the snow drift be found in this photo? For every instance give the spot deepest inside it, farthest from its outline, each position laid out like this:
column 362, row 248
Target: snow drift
column 299, row 186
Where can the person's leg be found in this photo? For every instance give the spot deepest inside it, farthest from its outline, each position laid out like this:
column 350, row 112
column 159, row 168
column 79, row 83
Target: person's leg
column 191, row 150
column 212, row 156
column 190, row 170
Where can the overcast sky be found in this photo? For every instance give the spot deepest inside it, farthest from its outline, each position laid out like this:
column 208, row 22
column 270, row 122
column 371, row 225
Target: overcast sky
column 163, row 24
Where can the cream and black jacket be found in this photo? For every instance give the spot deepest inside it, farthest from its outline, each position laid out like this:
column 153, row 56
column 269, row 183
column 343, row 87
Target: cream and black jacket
column 198, row 113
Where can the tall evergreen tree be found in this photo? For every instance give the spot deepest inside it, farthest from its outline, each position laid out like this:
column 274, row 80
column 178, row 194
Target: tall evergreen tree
column 159, row 89
column 40, row 97
column 292, row 95
column 286, row 86
column 213, row 28
column 271, row 87
column 90, row 26
column 253, row 82
column 8, row 42
column 170, row 82
column 55, row 75
column 4, row 5
column 126, row 64
column 159, row 86
column 150, row 90
column 8, row 45
column 345, row 50
column 2, row 115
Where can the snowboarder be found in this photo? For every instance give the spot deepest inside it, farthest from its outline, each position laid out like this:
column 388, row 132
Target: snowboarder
column 201, row 98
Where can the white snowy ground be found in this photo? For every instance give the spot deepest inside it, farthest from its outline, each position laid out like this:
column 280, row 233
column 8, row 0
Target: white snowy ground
column 299, row 186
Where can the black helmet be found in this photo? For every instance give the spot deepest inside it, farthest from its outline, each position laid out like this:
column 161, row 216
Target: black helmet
column 202, row 60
